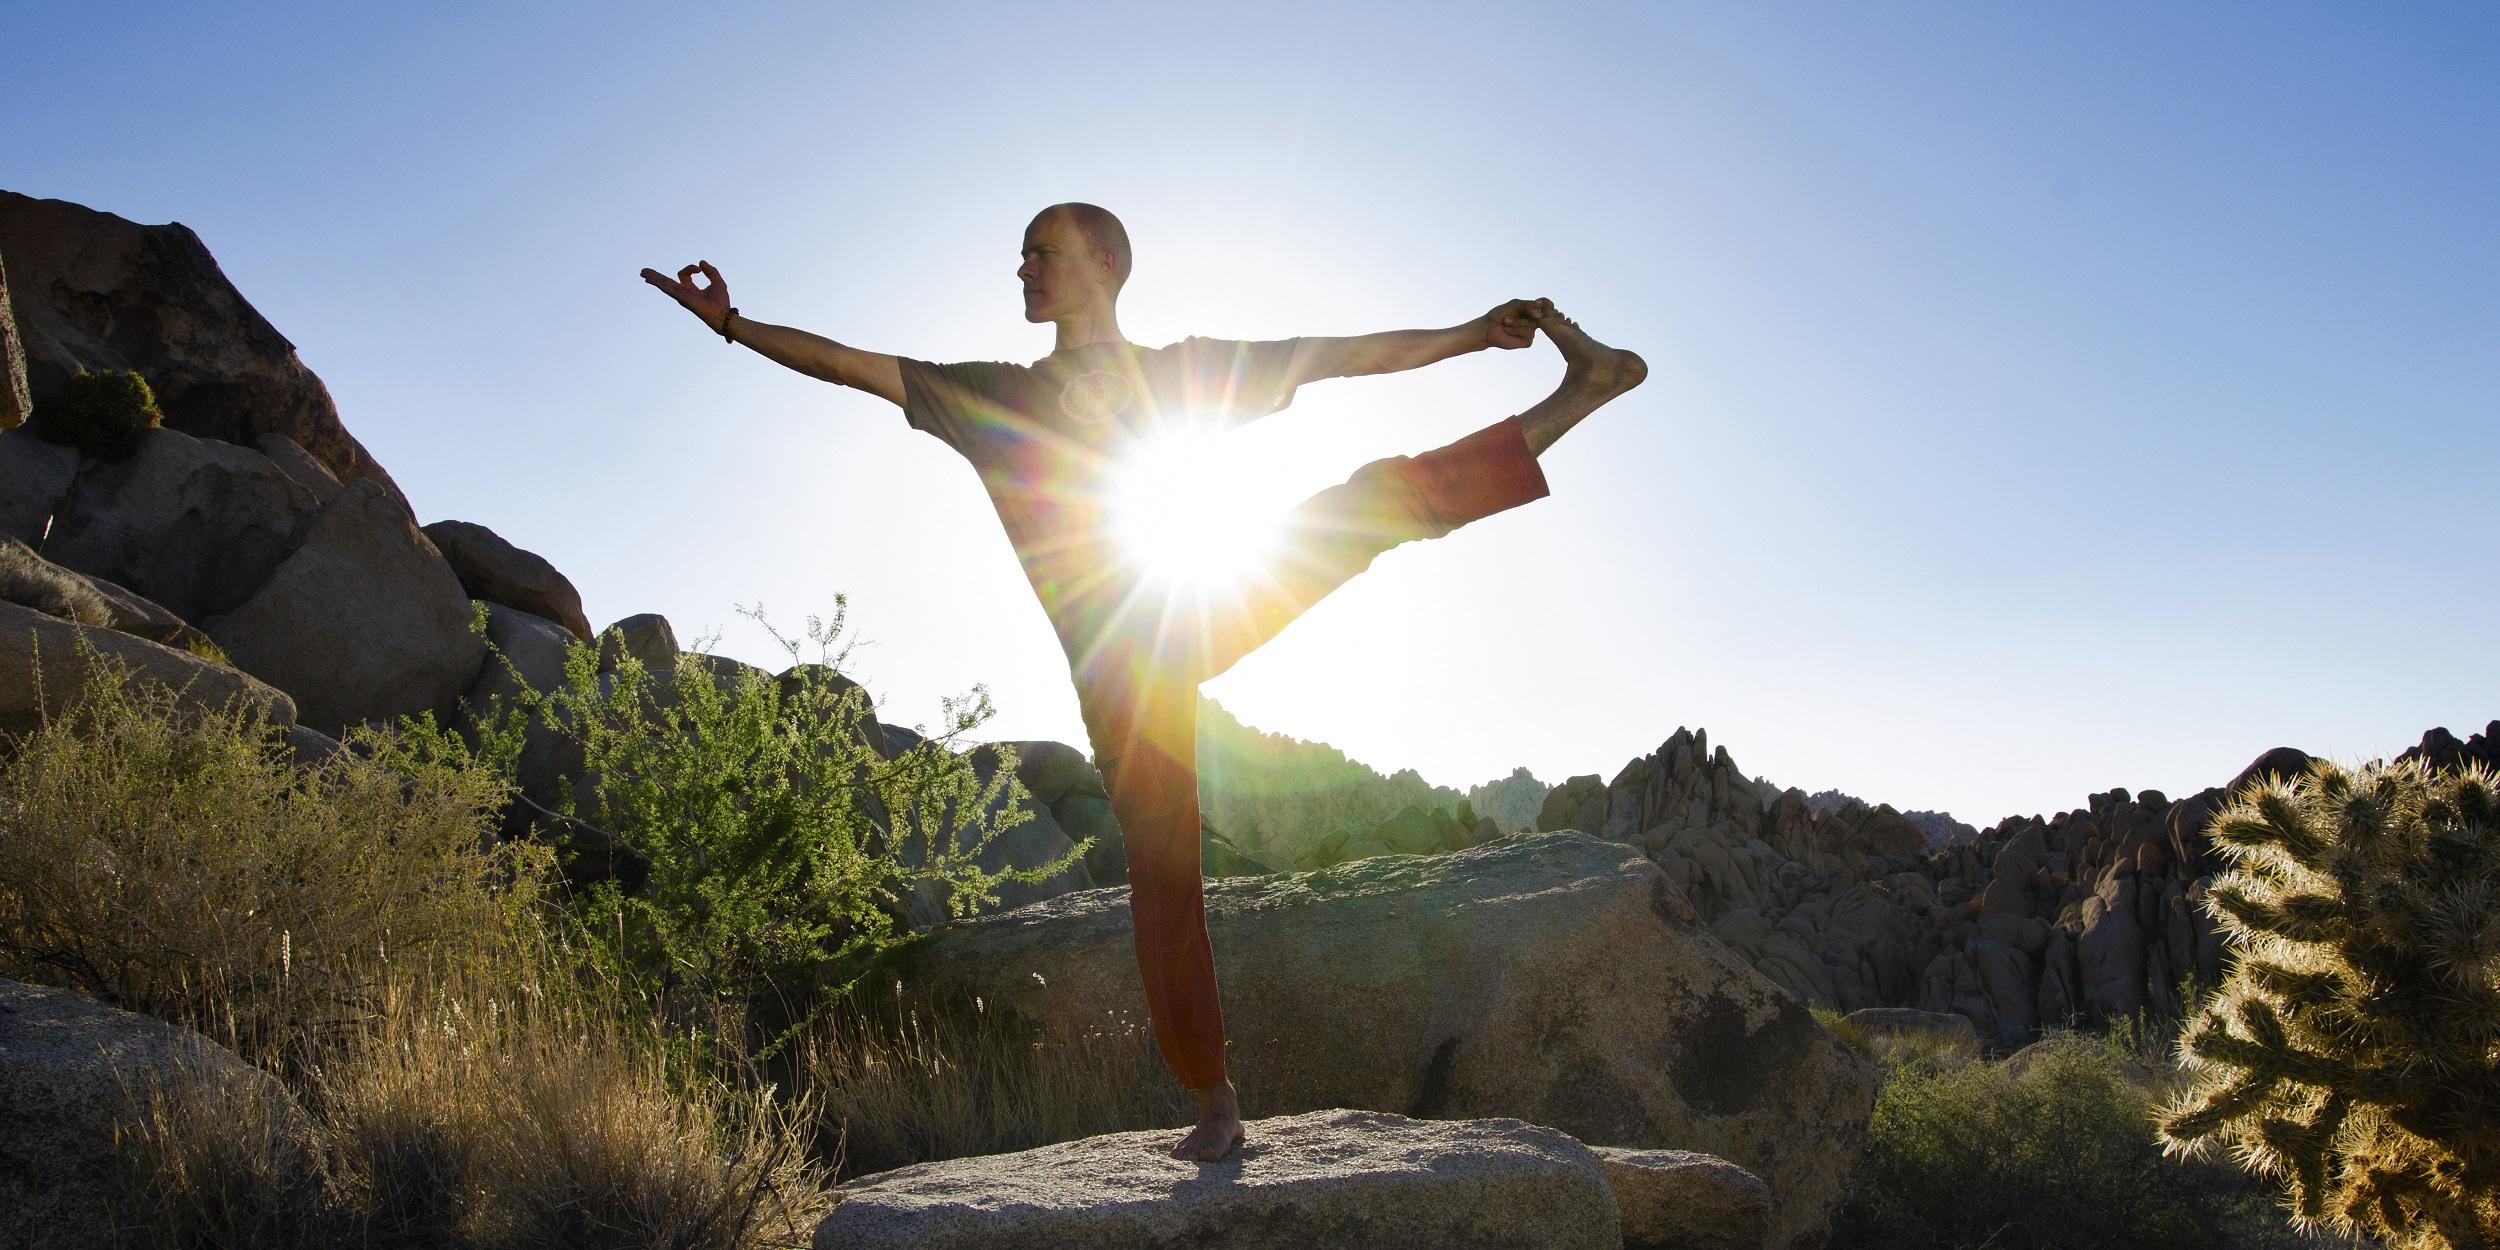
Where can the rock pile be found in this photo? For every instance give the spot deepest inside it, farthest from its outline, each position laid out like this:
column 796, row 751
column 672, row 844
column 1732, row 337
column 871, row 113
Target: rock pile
column 2093, row 915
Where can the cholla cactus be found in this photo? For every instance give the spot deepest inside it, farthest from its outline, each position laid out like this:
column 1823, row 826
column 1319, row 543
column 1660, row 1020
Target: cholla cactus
column 2351, row 1052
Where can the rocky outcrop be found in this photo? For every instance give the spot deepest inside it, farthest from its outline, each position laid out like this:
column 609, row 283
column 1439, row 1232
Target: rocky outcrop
column 93, row 291
column 69, row 1069
column 299, row 464
column 498, row 572
column 17, row 403
column 44, row 663
column 31, row 581
column 2440, row 749
column 363, row 621
column 194, row 524
column 1334, row 1180
column 1678, row 1200
column 1553, row 977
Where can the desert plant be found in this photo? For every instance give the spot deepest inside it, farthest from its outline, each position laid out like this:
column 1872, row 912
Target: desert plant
column 2353, row 1052
column 779, row 834
column 2054, row 1148
column 101, row 414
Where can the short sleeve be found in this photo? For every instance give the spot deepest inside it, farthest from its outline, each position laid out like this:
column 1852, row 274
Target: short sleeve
column 1243, row 381
column 955, row 403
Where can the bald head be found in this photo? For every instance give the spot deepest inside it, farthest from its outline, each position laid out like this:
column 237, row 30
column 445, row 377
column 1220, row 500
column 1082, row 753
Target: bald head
column 1100, row 228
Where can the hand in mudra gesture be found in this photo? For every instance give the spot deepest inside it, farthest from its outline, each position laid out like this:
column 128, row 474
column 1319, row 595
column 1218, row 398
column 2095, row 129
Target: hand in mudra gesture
column 711, row 303
column 1513, row 324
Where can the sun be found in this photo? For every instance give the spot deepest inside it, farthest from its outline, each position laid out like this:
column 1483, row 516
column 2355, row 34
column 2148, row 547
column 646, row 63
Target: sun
column 1189, row 514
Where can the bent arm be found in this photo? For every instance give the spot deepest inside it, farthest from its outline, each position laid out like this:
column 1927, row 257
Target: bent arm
column 811, row 354
column 1394, row 351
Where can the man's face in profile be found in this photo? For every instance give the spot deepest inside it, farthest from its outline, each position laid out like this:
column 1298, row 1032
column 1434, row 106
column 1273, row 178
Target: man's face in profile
column 1062, row 270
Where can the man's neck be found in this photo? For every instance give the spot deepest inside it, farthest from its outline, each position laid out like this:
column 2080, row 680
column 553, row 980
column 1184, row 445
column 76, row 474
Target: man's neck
column 1087, row 328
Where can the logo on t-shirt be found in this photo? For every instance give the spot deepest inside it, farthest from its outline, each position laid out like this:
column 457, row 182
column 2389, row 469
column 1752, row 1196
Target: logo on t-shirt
column 1095, row 396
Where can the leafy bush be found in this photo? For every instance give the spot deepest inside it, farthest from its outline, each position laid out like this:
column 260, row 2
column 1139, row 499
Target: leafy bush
column 2054, row 1148
column 2353, row 1053
column 100, row 414
column 778, row 836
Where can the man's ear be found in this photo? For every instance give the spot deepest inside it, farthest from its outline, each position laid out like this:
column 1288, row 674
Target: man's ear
column 1107, row 268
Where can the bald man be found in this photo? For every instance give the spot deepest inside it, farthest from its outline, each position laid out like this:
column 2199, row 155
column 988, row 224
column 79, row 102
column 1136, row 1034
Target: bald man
column 1047, row 440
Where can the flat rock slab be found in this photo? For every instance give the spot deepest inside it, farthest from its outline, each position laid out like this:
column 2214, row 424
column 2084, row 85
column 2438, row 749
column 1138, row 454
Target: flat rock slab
column 1330, row 1180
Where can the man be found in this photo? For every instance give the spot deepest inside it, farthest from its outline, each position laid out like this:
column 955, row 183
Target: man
column 1048, row 441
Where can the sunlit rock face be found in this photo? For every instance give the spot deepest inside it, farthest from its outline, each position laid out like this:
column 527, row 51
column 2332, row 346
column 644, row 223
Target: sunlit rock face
column 1555, row 978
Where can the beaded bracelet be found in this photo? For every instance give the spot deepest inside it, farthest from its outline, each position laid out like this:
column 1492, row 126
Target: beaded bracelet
column 724, row 325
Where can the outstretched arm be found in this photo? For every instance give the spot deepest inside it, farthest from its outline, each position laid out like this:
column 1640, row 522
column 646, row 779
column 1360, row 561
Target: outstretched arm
column 1511, row 325
column 811, row 354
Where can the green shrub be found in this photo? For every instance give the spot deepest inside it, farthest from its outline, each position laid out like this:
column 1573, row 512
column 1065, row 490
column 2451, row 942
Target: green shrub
column 2052, row 1149
column 2353, row 1053
column 778, row 837
column 100, row 414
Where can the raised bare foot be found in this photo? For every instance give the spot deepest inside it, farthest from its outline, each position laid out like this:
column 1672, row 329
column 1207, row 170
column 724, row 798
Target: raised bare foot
column 1219, row 1126
column 1593, row 374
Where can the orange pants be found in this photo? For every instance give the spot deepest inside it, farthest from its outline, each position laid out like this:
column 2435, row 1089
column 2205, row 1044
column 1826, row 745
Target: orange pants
column 1137, row 673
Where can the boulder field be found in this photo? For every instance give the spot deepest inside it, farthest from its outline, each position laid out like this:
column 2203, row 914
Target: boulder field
column 1555, row 978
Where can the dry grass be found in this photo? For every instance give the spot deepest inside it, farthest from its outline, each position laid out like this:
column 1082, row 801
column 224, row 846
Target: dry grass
column 468, row 1120
column 180, row 865
column 895, row 1083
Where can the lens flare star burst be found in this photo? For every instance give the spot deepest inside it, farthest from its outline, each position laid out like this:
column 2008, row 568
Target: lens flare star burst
column 1188, row 514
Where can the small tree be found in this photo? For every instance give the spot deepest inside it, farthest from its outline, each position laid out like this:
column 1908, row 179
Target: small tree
column 2353, row 1052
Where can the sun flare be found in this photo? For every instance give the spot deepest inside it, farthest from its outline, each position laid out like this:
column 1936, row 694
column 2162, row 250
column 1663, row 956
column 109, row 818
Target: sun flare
column 1188, row 513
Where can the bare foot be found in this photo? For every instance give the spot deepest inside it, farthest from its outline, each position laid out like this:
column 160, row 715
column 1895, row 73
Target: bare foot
column 1593, row 374
column 1219, row 1126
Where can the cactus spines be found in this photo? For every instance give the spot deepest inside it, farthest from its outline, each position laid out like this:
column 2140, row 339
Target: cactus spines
column 2353, row 1051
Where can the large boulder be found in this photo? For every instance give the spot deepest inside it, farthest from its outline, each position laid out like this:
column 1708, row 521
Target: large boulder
column 363, row 622
column 194, row 524
column 93, row 291
column 44, row 663
column 299, row 464
column 35, row 477
column 1552, row 977
column 498, row 572
column 1335, row 1180
column 644, row 636
column 70, row 1070
column 1678, row 1200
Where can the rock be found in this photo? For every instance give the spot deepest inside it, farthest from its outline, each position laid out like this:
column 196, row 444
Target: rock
column 1052, row 771
column 31, row 581
column 17, row 403
column 43, row 671
column 193, row 524
column 1943, row 1026
column 1565, row 804
column 1677, row 1200
column 34, row 477
column 1083, row 816
column 498, row 572
column 299, row 464
column 526, row 653
column 646, row 636
column 363, row 622
column 94, row 291
column 1334, row 1180
column 2111, row 950
column 1552, row 977
column 2287, row 763
column 69, row 1068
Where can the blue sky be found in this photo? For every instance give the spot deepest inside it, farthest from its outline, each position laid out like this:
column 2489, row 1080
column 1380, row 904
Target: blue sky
column 2041, row 400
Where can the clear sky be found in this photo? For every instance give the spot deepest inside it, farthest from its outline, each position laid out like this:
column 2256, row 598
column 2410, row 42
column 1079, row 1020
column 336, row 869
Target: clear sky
column 2043, row 398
